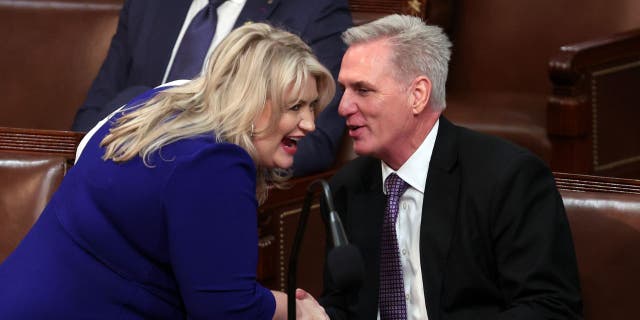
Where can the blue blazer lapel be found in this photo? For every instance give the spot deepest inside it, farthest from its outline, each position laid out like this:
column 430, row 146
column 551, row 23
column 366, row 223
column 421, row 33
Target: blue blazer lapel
column 439, row 212
column 256, row 11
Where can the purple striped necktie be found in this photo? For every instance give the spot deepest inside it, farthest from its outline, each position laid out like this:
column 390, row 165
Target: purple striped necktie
column 391, row 296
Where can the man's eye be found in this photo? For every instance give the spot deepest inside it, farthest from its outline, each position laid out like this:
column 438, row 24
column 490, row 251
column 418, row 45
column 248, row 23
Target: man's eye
column 363, row 91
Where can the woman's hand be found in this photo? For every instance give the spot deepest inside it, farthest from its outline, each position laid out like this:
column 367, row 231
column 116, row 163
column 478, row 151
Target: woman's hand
column 308, row 308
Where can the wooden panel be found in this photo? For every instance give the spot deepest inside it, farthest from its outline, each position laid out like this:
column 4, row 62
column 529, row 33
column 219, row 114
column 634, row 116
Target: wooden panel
column 51, row 53
column 589, row 183
column 592, row 113
column 35, row 141
column 364, row 11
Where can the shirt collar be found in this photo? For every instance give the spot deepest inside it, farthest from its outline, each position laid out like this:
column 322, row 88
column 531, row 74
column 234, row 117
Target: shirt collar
column 414, row 170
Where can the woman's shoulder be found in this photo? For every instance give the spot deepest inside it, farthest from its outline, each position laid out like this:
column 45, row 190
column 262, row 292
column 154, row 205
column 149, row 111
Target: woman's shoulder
column 203, row 148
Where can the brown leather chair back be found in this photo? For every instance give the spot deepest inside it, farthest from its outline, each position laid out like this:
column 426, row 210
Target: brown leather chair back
column 605, row 224
column 32, row 165
column 51, row 52
column 27, row 184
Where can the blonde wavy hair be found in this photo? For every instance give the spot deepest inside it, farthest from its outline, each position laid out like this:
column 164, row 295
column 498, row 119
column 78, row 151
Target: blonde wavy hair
column 254, row 64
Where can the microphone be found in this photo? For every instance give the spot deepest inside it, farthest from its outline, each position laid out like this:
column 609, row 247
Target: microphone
column 344, row 261
column 335, row 224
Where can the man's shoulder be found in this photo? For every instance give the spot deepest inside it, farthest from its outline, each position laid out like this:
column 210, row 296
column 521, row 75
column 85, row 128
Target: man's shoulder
column 484, row 157
column 477, row 145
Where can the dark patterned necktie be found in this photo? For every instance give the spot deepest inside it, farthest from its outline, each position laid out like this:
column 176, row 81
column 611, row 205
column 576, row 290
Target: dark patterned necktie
column 195, row 43
column 392, row 302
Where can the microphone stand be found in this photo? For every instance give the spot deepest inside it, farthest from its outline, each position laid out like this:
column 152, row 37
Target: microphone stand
column 295, row 248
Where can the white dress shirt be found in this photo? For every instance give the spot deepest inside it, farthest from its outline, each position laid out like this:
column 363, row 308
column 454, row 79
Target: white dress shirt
column 413, row 172
column 228, row 13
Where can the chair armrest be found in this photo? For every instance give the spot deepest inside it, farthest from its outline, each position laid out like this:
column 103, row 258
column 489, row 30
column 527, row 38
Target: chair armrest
column 569, row 64
column 571, row 71
column 592, row 111
column 590, row 183
column 40, row 142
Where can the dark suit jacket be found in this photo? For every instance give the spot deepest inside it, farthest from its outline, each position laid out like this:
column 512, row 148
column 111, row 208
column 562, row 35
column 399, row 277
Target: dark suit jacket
column 147, row 30
column 494, row 239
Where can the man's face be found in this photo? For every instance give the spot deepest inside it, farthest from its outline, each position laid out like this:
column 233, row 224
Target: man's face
column 375, row 104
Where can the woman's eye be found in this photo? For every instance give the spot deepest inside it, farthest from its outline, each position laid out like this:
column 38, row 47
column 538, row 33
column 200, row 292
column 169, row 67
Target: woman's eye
column 296, row 107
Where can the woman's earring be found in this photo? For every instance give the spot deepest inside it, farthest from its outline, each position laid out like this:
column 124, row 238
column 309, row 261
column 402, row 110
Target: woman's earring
column 253, row 132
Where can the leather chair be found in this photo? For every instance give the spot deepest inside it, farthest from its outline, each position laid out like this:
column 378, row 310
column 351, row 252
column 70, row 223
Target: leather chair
column 604, row 215
column 52, row 51
column 28, row 182
column 32, row 165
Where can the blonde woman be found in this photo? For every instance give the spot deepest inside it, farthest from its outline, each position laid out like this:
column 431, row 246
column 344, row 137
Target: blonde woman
column 157, row 219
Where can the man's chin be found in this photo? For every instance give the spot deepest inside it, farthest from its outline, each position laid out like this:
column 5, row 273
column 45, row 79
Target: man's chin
column 361, row 149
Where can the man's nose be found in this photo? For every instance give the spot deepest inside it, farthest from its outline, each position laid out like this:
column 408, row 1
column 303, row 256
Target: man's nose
column 346, row 106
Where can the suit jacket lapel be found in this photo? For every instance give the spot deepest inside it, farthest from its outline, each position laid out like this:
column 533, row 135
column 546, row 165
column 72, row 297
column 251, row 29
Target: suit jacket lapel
column 368, row 208
column 439, row 213
column 256, row 11
column 163, row 32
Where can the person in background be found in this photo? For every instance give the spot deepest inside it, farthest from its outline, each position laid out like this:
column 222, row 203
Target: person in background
column 157, row 219
column 451, row 223
column 163, row 40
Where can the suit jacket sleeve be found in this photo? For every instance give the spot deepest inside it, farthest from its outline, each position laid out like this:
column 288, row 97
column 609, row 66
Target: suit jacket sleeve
column 108, row 91
column 317, row 151
column 533, row 246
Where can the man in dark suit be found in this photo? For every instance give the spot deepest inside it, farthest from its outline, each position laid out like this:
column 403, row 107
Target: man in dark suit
column 479, row 233
column 148, row 35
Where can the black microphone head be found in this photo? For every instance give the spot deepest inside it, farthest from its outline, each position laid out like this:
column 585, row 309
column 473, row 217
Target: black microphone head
column 345, row 267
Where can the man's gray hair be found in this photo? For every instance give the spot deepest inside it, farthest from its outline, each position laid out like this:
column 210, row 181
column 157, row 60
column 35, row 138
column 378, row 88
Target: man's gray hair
column 418, row 49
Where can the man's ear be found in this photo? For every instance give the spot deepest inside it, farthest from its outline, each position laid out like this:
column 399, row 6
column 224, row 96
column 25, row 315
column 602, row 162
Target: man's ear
column 420, row 94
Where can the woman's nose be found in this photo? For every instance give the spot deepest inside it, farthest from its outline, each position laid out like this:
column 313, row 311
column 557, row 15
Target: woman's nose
column 307, row 122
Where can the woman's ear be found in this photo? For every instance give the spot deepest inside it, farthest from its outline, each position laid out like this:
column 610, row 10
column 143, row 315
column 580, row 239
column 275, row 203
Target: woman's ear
column 420, row 94
column 262, row 123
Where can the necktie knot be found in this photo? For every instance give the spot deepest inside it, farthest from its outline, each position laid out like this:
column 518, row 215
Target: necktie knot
column 395, row 186
column 195, row 43
column 214, row 4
